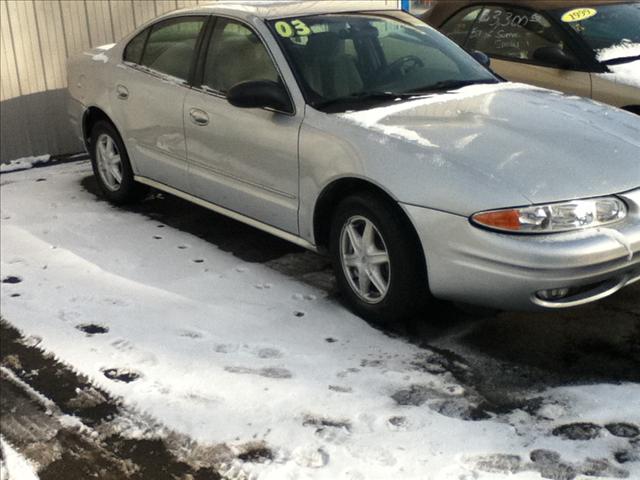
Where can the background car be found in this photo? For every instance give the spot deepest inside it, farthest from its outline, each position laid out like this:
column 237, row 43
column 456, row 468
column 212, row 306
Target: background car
column 589, row 48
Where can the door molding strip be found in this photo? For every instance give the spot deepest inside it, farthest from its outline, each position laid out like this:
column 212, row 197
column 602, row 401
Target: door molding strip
column 228, row 213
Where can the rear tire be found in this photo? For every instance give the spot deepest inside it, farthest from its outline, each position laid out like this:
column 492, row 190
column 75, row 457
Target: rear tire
column 111, row 165
column 379, row 267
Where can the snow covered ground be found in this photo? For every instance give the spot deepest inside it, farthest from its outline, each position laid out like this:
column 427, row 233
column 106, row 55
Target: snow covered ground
column 228, row 351
column 13, row 465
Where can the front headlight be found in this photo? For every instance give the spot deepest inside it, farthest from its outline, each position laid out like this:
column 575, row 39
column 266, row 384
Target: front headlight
column 554, row 217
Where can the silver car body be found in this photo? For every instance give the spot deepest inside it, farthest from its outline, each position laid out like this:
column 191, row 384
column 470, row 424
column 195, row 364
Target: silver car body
column 441, row 157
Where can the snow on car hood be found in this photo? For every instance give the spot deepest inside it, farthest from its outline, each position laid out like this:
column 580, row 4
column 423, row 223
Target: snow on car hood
column 624, row 73
column 544, row 145
column 621, row 50
column 98, row 54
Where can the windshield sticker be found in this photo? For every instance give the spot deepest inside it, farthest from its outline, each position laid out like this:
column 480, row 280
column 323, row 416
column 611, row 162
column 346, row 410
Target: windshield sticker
column 578, row 14
column 294, row 28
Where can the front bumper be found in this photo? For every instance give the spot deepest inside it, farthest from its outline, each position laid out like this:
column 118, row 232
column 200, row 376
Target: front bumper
column 472, row 265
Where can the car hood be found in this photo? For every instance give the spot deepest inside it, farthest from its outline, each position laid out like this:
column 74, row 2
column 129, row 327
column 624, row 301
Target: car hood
column 542, row 144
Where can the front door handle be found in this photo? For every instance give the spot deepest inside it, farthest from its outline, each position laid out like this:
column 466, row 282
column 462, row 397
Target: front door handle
column 199, row 117
column 122, row 91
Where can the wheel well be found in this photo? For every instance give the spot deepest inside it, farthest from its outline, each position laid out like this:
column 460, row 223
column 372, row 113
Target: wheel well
column 337, row 191
column 633, row 109
column 91, row 117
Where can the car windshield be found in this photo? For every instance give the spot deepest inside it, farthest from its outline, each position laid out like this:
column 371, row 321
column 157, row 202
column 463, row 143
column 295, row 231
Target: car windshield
column 612, row 31
column 355, row 60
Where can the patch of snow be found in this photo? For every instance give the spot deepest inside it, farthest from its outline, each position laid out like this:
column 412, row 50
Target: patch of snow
column 223, row 356
column 465, row 141
column 100, row 57
column 37, row 396
column 621, row 50
column 16, row 466
column 373, row 118
column 106, row 47
column 405, row 133
column 24, row 163
column 624, row 73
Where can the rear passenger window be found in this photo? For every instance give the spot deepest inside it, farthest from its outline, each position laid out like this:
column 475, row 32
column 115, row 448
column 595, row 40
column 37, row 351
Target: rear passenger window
column 171, row 46
column 133, row 51
column 235, row 55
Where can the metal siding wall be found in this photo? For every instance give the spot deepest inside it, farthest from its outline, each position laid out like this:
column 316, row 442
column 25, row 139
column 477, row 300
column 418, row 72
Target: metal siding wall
column 121, row 12
column 36, row 38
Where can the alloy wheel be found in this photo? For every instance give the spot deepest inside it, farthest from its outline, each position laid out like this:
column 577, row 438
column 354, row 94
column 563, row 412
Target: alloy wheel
column 109, row 162
column 365, row 259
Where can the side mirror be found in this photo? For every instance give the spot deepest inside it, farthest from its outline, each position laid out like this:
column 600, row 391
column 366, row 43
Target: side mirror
column 482, row 58
column 259, row 94
column 555, row 57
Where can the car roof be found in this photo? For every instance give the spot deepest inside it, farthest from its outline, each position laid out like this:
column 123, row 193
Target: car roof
column 443, row 9
column 270, row 9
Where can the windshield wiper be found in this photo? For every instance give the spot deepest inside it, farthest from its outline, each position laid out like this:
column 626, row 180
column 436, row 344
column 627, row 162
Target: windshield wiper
column 450, row 85
column 619, row 60
column 363, row 97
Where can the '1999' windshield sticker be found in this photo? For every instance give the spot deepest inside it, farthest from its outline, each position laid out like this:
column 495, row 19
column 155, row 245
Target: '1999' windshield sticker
column 294, row 28
column 578, row 14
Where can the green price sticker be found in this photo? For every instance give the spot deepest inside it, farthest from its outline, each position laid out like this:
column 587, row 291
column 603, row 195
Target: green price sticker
column 294, row 28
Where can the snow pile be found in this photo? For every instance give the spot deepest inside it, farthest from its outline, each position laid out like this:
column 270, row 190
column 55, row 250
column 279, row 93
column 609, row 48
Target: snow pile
column 621, row 50
column 101, row 57
column 24, row 163
column 228, row 351
column 15, row 466
column 624, row 73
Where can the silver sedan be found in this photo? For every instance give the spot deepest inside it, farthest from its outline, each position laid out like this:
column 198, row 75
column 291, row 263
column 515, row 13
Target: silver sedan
column 359, row 131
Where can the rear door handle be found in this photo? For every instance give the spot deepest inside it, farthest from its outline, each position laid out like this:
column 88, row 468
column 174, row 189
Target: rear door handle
column 199, row 117
column 122, row 91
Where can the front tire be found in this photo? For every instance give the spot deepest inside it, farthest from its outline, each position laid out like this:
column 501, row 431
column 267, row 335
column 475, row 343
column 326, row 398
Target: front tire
column 377, row 260
column 111, row 165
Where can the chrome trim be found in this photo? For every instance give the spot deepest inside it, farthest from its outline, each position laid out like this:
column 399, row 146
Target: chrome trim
column 228, row 213
column 605, row 289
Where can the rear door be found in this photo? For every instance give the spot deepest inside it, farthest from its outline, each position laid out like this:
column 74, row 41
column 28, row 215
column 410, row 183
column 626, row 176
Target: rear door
column 150, row 94
column 245, row 160
column 511, row 35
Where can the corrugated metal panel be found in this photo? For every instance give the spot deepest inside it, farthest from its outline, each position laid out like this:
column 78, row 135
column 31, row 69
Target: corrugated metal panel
column 75, row 24
column 28, row 55
column 143, row 11
column 122, row 18
column 164, row 6
column 9, row 81
column 53, row 48
column 99, row 21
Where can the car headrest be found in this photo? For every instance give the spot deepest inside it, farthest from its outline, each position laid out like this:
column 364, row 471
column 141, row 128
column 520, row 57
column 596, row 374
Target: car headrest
column 323, row 44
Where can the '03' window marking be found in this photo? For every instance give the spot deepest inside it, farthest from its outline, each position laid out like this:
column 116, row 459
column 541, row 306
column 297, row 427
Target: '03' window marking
column 293, row 28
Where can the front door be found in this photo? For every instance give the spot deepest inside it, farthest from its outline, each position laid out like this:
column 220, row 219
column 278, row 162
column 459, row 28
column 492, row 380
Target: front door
column 568, row 81
column 245, row 160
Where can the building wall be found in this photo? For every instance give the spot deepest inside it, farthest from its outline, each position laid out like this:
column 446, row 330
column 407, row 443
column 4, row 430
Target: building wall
column 36, row 38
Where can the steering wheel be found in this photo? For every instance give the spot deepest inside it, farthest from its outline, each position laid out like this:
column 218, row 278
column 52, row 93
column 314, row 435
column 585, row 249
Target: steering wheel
column 404, row 65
